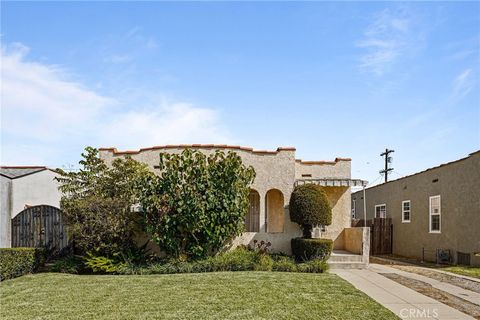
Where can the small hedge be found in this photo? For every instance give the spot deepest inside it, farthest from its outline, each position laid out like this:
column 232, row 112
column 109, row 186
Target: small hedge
column 309, row 249
column 15, row 262
column 240, row 259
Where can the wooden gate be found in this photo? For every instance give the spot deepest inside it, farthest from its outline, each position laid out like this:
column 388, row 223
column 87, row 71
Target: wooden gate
column 381, row 236
column 39, row 226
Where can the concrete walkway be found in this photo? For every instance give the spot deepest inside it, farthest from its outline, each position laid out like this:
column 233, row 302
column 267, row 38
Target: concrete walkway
column 461, row 293
column 387, row 261
column 404, row 302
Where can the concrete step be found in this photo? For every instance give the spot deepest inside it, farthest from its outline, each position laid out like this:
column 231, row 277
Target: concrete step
column 346, row 265
column 345, row 258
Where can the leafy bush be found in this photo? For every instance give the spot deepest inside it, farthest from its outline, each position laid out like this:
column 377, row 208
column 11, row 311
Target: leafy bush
column 15, row 262
column 309, row 249
column 313, row 266
column 97, row 202
column 100, row 264
column 236, row 260
column 284, row 264
column 68, row 264
column 197, row 203
column 309, row 207
column 264, row 263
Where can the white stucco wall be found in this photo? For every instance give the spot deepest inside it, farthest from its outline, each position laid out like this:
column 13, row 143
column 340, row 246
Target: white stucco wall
column 34, row 189
column 5, row 206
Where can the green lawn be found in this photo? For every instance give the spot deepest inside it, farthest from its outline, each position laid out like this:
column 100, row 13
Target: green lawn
column 228, row 295
column 466, row 271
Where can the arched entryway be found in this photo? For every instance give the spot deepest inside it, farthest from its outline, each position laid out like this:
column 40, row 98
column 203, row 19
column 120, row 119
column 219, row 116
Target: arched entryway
column 275, row 213
column 39, row 226
column 252, row 220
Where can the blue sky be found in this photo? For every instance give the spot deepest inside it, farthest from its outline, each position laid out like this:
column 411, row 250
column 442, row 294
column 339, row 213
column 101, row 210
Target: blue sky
column 332, row 79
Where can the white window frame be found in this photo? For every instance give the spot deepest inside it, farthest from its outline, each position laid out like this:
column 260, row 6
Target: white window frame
column 380, row 205
column 439, row 214
column 409, row 211
column 354, row 206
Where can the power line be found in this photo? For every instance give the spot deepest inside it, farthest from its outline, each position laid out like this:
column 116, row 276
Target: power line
column 388, row 160
column 373, row 182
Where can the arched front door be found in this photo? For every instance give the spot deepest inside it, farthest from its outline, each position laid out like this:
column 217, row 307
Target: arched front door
column 39, row 226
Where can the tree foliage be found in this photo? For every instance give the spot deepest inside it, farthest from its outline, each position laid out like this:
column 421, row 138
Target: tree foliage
column 309, row 207
column 97, row 202
column 197, row 203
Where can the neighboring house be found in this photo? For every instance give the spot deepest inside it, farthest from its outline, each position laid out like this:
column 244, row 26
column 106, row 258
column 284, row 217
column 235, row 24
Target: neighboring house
column 21, row 187
column 435, row 209
column 277, row 172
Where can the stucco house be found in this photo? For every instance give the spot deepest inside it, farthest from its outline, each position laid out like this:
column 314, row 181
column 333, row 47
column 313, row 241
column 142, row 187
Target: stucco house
column 434, row 212
column 277, row 173
column 23, row 186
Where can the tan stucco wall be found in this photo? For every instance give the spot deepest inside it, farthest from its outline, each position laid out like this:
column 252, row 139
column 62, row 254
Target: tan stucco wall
column 339, row 198
column 274, row 170
column 457, row 183
column 325, row 169
column 353, row 240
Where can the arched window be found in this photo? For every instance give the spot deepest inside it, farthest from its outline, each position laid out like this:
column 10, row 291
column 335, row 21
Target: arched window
column 252, row 220
column 275, row 214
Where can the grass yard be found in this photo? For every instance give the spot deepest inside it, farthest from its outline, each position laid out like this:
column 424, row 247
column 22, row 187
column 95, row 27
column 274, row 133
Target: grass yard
column 228, row 295
column 466, row 271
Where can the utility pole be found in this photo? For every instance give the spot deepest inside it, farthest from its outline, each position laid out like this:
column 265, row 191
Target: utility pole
column 388, row 160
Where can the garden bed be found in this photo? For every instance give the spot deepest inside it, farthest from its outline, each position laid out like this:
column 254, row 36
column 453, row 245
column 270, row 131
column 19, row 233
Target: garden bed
column 240, row 259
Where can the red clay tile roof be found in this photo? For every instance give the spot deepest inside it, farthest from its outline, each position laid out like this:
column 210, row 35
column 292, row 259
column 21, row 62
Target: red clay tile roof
column 322, row 162
column 220, row 146
column 198, row 146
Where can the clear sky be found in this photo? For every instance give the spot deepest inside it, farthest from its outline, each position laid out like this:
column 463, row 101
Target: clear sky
column 339, row 79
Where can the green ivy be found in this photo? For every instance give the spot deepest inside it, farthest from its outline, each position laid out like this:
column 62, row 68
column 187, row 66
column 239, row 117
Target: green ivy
column 197, row 203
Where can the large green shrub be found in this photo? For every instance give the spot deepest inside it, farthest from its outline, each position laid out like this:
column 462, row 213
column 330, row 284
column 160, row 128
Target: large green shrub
column 309, row 249
column 197, row 203
column 309, row 207
column 97, row 202
column 15, row 262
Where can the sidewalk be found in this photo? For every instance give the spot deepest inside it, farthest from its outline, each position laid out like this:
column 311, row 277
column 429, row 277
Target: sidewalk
column 404, row 302
column 461, row 293
column 379, row 260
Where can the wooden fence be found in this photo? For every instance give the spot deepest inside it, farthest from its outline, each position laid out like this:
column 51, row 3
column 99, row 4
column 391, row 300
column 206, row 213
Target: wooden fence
column 381, row 234
column 39, row 226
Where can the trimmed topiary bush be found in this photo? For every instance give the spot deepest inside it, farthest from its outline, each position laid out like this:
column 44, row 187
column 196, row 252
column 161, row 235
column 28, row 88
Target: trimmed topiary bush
column 309, row 207
column 15, row 262
column 309, row 249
